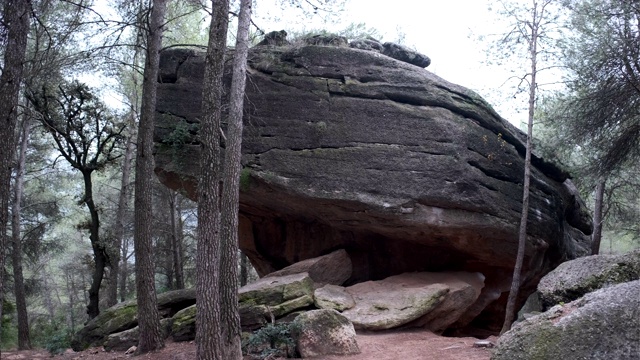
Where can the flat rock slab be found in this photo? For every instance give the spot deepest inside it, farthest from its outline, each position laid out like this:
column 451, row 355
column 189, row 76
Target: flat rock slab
column 392, row 302
column 333, row 297
column 274, row 291
column 334, row 268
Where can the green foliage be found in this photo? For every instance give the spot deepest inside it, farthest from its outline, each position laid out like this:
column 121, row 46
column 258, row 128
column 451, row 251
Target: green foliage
column 9, row 334
column 51, row 335
column 273, row 340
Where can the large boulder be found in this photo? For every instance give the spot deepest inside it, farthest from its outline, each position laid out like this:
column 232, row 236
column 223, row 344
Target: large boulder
column 430, row 300
column 124, row 316
column 334, row 268
column 324, row 332
column 604, row 324
column 350, row 149
column 572, row 279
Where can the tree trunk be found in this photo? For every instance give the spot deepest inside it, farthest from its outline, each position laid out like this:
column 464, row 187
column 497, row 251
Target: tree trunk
column 231, row 331
column 176, row 239
column 522, row 235
column 24, row 341
column 208, row 336
column 150, row 337
column 100, row 256
column 120, row 225
column 244, row 271
column 597, row 218
column 16, row 21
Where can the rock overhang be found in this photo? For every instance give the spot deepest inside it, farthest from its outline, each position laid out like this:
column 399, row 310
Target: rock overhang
column 347, row 148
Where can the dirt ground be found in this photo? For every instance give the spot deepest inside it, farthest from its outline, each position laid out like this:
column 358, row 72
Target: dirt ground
column 405, row 345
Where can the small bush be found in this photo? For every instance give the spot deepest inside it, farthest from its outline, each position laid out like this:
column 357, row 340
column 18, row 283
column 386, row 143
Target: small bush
column 271, row 341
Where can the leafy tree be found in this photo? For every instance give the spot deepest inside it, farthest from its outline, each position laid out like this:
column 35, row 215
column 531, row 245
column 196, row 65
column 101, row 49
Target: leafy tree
column 86, row 136
column 530, row 37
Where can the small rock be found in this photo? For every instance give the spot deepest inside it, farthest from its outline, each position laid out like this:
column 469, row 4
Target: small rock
column 131, row 350
column 483, row 344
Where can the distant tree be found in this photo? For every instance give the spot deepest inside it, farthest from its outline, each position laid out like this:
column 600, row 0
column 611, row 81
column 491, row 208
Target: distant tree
column 15, row 24
column 150, row 335
column 24, row 341
column 86, row 136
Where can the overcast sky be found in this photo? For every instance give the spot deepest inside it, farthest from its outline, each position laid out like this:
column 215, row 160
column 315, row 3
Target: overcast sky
column 445, row 30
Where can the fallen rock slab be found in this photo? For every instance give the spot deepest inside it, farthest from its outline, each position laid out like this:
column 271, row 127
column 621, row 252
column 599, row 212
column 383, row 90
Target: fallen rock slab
column 334, row 268
column 392, row 302
column 333, row 297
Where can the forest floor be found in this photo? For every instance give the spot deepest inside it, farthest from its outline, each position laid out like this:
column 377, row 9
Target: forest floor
column 405, row 345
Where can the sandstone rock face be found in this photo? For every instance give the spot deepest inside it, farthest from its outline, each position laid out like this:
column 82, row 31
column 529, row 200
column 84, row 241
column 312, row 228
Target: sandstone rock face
column 275, row 291
column 428, row 300
column 604, row 324
column 351, row 149
column 572, row 279
column 325, row 332
column 333, row 297
column 334, row 268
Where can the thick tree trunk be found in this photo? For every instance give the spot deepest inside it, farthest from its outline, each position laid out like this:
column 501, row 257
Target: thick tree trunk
column 150, row 337
column 597, row 218
column 208, row 336
column 16, row 21
column 522, row 235
column 24, row 341
column 112, row 297
column 100, row 256
column 231, row 331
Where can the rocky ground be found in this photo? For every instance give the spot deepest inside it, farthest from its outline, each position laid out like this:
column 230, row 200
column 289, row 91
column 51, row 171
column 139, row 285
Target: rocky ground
column 406, row 345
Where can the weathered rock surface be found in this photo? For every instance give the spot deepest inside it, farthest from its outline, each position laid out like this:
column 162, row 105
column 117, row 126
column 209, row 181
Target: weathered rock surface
column 464, row 290
column 604, row 324
column 572, row 279
column 124, row 316
column 333, row 297
column 276, row 290
column 347, row 148
column 124, row 340
column 409, row 299
column 405, row 54
column 324, row 332
column 334, row 268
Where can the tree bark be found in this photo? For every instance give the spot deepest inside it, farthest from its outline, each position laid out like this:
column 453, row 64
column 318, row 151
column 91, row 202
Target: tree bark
column 150, row 337
column 176, row 240
column 24, row 341
column 208, row 335
column 231, row 331
column 100, row 255
column 16, row 21
column 522, row 235
column 597, row 218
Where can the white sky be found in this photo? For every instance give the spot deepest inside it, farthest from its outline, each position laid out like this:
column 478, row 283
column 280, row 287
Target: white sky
column 445, row 30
